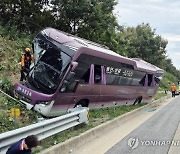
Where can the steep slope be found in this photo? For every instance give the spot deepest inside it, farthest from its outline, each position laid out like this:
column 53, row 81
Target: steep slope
column 10, row 53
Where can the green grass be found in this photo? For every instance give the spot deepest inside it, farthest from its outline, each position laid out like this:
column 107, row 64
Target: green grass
column 11, row 49
column 168, row 79
column 8, row 122
column 159, row 94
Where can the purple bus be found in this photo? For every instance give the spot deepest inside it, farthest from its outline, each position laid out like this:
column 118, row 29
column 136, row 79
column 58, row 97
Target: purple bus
column 69, row 71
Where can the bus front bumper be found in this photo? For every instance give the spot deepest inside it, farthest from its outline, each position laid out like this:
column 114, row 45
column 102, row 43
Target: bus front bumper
column 43, row 108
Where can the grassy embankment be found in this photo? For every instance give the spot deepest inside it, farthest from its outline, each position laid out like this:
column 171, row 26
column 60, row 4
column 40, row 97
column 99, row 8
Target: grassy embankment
column 11, row 48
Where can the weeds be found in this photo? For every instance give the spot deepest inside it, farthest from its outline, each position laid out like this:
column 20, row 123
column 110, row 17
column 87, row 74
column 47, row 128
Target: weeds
column 6, row 86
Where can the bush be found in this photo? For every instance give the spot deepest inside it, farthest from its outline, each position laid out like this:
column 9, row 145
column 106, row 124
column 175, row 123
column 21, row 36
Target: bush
column 6, row 86
column 6, row 122
column 168, row 79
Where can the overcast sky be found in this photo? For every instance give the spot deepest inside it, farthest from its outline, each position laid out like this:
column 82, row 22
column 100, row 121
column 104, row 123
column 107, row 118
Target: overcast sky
column 162, row 15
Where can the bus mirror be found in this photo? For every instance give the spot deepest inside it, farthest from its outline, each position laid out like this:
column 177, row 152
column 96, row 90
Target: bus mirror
column 70, row 76
column 74, row 65
column 64, row 86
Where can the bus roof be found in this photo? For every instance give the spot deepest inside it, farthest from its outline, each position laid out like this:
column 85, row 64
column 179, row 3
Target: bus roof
column 77, row 43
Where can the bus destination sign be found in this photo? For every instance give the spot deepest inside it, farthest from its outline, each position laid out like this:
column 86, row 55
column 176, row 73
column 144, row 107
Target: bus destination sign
column 119, row 71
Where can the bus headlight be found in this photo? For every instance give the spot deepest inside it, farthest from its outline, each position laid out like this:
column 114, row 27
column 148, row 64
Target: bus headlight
column 45, row 103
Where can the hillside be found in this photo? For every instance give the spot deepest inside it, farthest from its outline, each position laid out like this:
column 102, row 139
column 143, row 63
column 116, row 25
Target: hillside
column 10, row 53
column 11, row 49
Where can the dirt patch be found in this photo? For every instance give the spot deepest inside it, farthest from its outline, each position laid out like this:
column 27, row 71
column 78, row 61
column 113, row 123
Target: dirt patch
column 14, row 78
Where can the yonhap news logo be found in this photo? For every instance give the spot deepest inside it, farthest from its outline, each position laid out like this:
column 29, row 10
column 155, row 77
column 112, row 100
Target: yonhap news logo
column 134, row 142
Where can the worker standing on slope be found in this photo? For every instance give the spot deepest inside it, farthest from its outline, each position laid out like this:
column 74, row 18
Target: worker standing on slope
column 26, row 60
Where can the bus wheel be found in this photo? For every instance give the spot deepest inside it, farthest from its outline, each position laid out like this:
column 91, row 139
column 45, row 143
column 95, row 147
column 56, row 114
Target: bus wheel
column 83, row 103
column 138, row 100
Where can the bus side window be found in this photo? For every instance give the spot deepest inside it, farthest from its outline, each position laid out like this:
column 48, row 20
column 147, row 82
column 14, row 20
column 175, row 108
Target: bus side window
column 112, row 79
column 157, row 80
column 142, row 81
column 97, row 74
column 150, row 77
column 124, row 81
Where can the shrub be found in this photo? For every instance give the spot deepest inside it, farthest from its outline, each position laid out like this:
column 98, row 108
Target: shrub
column 6, row 86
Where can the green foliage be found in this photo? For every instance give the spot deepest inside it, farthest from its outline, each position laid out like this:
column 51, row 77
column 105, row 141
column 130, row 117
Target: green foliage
column 168, row 79
column 142, row 42
column 8, row 122
column 160, row 93
column 92, row 20
column 11, row 49
column 6, row 85
column 26, row 15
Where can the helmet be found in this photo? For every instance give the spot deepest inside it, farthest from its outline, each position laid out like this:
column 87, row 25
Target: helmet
column 27, row 50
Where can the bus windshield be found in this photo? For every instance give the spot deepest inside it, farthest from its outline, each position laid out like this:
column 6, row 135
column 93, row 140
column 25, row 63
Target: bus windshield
column 50, row 63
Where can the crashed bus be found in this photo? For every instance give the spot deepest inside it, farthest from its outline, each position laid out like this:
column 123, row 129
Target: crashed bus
column 69, row 71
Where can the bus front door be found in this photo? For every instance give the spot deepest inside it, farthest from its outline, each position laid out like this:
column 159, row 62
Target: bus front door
column 87, row 93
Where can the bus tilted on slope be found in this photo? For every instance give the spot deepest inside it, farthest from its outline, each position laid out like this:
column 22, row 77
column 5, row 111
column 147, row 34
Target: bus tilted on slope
column 70, row 71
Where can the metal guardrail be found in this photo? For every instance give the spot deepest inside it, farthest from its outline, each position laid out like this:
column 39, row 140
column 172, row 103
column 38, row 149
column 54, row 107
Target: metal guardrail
column 45, row 128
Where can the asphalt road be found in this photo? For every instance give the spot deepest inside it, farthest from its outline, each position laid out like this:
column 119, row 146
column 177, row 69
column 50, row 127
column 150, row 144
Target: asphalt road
column 154, row 136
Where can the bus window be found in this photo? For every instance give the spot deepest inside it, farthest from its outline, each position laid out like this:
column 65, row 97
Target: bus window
column 82, row 72
column 139, row 81
column 135, row 82
column 142, row 82
column 53, row 58
column 150, row 77
column 112, row 79
column 157, row 80
column 97, row 74
column 124, row 81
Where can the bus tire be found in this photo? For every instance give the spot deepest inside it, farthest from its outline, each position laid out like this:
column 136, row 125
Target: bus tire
column 83, row 103
column 138, row 100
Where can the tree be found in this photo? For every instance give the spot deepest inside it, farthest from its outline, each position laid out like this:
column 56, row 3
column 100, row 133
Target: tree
column 142, row 42
column 90, row 19
column 25, row 14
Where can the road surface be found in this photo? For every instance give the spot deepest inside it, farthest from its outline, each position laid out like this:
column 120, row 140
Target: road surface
column 155, row 131
column 154, row 136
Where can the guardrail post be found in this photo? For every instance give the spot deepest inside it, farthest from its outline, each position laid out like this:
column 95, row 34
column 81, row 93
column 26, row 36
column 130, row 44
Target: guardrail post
column 84, row 113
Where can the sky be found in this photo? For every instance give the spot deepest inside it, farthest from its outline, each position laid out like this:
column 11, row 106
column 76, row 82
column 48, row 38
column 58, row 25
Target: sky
column 162, row 15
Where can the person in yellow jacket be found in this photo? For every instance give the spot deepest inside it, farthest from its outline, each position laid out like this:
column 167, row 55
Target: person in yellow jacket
column 173, row 90
column 26, row 60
